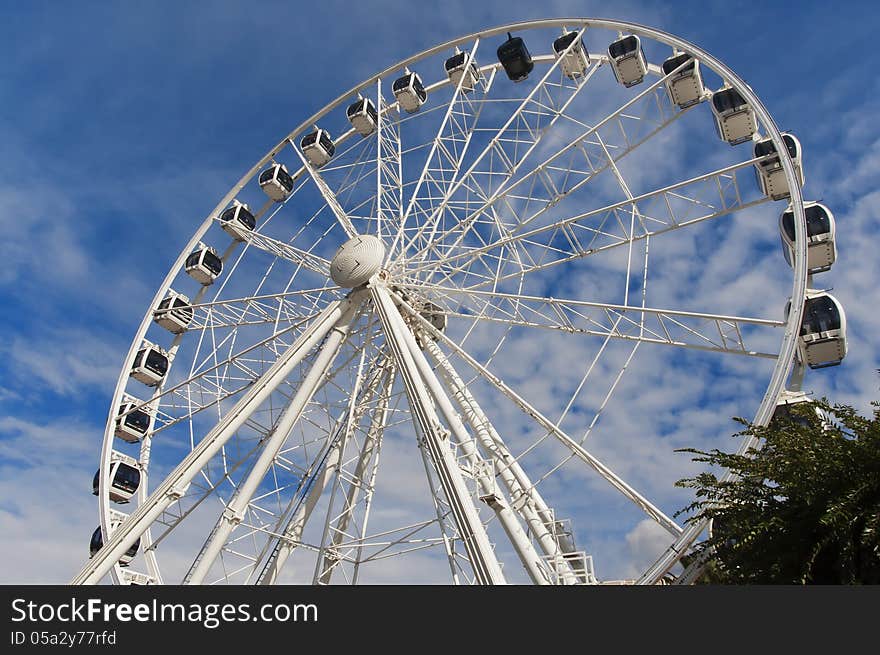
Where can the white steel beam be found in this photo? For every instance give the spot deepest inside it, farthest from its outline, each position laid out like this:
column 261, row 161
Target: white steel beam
column 470, row 528
column 526, row 498
column 327, row 193
column 493, row 496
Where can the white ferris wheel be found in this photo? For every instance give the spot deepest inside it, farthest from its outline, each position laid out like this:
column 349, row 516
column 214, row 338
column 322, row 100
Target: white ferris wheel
column 390, row 351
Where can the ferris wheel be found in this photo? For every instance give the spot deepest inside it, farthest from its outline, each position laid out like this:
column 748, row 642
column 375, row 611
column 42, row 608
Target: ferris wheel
column 415, row 342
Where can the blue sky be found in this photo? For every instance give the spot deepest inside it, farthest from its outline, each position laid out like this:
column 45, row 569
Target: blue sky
column 123, row 125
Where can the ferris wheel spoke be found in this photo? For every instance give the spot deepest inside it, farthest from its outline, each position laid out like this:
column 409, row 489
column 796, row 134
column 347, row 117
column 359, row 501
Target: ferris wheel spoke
column 327, row 193
column 277, row 308
column 211, row 383
column 505, row 152
column 287, row 251
column 704, row 331
column 577, row 163
column 389, row 203
column 208, row 380
column 681, row 205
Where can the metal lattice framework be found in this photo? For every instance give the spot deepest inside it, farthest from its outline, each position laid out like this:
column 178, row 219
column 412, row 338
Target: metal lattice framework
column 311, row 433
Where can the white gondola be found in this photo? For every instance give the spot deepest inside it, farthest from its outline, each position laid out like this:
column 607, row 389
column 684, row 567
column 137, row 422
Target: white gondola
column 685, row 87
column 317, row 147
column 515, row 58
column 574, row 63
column 577, row 559
column 787, row 401
column 435, row 315
column 628, row 60
column 124, row 477
column 203, row 265
column 276, row 182
column 430, row 312
column 97, row 540
column 174, row 313
column 150, row 364
column 769, row 172
column 409, row 91
column 735, row 119
column 136, row 578
column 363, row 116
column 458, row 68
column 823, row 330
column 237, row 221
column 132, row 420
column 821, row 246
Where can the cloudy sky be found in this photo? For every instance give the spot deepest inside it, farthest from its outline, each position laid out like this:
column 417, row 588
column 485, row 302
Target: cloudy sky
column 123, row 126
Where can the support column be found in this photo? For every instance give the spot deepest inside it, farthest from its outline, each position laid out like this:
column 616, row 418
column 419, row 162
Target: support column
column 471, row 530
column 526, row 499
column 491, row 496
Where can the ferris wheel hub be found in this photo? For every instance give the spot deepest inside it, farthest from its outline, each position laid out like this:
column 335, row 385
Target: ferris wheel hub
column 357, row 260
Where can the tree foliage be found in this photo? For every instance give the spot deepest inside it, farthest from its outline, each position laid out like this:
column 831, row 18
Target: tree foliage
column 802, row 508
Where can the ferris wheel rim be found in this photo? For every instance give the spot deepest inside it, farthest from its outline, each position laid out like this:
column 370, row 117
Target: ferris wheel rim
column 785, row 357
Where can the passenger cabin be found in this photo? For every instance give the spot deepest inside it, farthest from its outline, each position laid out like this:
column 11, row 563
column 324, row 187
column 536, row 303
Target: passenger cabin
column 129, row 577
column 317, row 147
column 685, row 85
column 174, row 313
column 823, row 330
column 628, row 60
column 735, row 119
column 409, row 91
column 459, row 69
column 363, row 116
column 124, row 477
column 132, row 420
column 718, row 529
column 787, row 410
column 276, row 182
column 821, row 246
column 574, row 63
column 515, row 58
column 769, row 171
column 434, row 315
column 237, row 221
column 203, row 265
column 150, row 364
column 577, row 559
column 97, row 542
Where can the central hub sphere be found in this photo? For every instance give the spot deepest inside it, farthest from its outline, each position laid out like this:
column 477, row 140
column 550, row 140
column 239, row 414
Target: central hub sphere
column 357, row 260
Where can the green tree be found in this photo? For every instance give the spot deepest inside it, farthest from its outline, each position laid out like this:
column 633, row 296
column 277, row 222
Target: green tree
column 802, row 508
